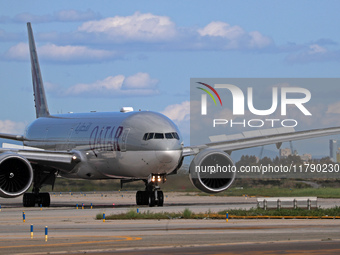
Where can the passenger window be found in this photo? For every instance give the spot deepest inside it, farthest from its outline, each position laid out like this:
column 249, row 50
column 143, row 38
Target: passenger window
column 150, row 136
column 168, row 136
column 159, row 135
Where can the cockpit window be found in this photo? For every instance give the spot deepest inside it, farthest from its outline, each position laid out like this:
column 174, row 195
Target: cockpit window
column 159, row 135
column 176, row 136
column 168, row 136
column 150, row 136
column 172, row 135
column 145, row 136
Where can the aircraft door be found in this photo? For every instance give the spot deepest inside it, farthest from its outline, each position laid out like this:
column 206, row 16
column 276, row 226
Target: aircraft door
column 124, row 139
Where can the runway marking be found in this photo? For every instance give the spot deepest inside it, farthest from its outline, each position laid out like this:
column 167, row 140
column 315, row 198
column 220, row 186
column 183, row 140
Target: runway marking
column 124, row 238
column 267, row 252
column 220, row 228
column 166, row 246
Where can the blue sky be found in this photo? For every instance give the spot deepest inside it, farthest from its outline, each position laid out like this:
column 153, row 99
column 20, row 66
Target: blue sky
column 102, row 55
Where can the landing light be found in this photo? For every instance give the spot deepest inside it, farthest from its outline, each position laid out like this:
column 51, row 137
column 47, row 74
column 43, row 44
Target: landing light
column 156, row 178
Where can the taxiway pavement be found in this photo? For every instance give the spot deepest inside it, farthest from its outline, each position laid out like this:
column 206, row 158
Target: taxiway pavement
column 77, row 230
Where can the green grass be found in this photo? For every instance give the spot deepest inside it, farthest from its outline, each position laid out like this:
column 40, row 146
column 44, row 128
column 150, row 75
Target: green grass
column 280, row 192
column 335, row 211
column 187, row 214
column 132, row 214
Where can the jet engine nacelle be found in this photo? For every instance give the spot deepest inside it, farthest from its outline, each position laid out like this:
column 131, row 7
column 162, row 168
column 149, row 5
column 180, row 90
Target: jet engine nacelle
column 212, row 171
column 16, row 175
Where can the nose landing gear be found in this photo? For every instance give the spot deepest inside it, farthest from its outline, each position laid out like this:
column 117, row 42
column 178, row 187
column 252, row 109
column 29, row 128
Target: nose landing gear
column 152, row 195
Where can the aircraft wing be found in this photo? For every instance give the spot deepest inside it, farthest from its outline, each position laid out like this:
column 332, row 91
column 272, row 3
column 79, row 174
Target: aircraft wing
column 238, row 144
column 61, row 160
column 12, row 137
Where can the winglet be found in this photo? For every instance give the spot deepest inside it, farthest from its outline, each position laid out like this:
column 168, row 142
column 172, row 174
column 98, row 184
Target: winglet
column 38, row 86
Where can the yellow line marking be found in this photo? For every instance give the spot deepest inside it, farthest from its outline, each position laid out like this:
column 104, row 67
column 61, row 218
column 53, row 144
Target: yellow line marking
column 124, row 238
column 166, row 246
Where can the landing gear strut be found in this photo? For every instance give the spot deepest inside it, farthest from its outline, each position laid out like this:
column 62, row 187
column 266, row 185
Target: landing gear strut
column 41, row 176
column 152, row 195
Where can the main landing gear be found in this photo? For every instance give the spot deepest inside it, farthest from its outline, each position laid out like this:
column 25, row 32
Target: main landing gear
column 42, row 176
column 30, row 199
column 152, row 195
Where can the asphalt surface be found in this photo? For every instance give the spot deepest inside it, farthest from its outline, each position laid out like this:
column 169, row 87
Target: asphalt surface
column 72, row 230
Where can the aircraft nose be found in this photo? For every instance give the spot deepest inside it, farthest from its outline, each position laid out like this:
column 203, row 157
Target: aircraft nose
column 164, row 156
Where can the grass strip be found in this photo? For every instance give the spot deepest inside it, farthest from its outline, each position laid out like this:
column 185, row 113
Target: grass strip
column 280, row 192
column 132, row 214
column 319, row 213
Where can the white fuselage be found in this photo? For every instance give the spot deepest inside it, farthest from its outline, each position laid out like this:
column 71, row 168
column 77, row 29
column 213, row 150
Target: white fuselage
column 112, row 145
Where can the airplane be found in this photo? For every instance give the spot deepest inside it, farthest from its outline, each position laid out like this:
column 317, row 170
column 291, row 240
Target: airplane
column 127, row 145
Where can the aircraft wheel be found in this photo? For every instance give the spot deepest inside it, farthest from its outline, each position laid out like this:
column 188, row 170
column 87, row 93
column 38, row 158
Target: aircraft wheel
column 139, row 198
column 45, row 199
column 145, row 197
column 160, row 197
column 152, row 199
column 28, row 200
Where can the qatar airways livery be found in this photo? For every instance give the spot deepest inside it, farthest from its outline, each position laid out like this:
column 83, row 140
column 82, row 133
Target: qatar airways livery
column 127, row 145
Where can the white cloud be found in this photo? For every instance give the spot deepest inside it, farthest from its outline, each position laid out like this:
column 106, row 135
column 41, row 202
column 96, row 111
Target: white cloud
column 137, row 27
column 139, row 80
column 50, row 86
column 313, row 53
column 221, row 29
column 115, row 86
column 178, row 112
column 57, row 53
column 68, row 52
column 142, row 31
column 257, row 40
column 12, row 127
column 18, row 52
column 315, row 49
column 111, row 83
column 235, row 36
